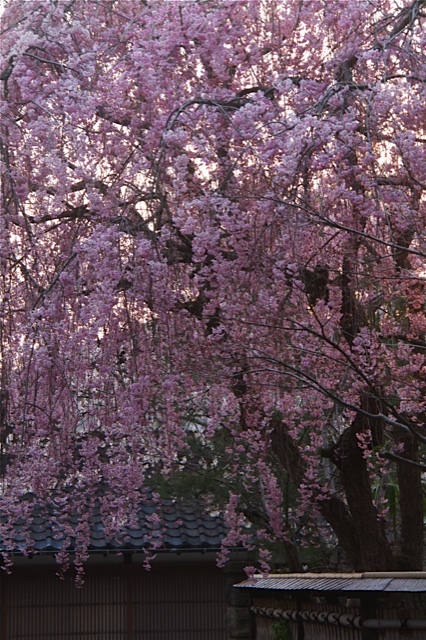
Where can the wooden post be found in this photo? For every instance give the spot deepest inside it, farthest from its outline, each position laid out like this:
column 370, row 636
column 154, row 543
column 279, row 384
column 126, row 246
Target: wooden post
column 3, row 611
column 369, row 611
column 130, row 611
column 239, row 619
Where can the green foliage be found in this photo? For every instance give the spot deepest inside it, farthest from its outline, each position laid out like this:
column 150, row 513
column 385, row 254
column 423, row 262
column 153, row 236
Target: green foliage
column 202, row 474
column 281, row 630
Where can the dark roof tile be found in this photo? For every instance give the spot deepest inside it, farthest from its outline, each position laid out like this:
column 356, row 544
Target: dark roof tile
column 181, row 526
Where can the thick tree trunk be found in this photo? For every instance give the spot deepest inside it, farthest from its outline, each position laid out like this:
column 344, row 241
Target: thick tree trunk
column 375, row 553
column 411, row 508
column 293, row 558
column 355, row 522
column 336, row 513
column 356, row 525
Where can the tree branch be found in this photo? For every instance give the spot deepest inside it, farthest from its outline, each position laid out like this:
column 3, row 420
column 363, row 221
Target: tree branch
column 395, row 458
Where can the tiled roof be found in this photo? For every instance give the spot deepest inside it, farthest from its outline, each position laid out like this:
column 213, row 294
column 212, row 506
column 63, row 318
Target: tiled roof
column 180, row 527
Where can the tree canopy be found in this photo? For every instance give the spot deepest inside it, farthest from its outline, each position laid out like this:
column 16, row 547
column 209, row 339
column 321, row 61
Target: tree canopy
column 212, row 257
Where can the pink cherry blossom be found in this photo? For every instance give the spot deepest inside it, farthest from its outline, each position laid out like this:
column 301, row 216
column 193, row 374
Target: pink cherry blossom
column 213, row 229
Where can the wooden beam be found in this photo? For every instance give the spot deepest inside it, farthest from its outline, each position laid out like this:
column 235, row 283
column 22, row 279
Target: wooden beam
column 130, row 611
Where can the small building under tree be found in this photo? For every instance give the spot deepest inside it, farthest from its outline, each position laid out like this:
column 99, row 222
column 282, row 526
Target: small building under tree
column 184, row 596
column 333, row 606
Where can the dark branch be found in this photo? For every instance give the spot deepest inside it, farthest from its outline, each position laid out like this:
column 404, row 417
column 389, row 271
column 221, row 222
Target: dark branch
column 395, row 458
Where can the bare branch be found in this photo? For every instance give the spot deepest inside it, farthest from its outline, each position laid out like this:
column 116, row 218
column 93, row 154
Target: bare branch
column 395, row 458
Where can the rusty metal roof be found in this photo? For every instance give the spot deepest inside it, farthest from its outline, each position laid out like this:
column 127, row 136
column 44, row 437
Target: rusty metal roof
column 389, row 582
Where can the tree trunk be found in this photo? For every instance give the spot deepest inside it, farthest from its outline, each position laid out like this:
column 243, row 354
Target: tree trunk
column 375, row 553
column 337, row 514
column 411, row 508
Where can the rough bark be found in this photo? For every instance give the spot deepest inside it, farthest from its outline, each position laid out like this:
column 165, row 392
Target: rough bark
column 411, row 508
column 375, row 553
column 336, row 513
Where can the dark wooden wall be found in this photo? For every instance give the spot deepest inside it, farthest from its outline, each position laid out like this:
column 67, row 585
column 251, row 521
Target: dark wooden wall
column 130, row 604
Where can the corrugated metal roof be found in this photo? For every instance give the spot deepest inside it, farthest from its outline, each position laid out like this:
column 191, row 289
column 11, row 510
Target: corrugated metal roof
column 407, row 584
column 179, row 526
column 389, row 583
